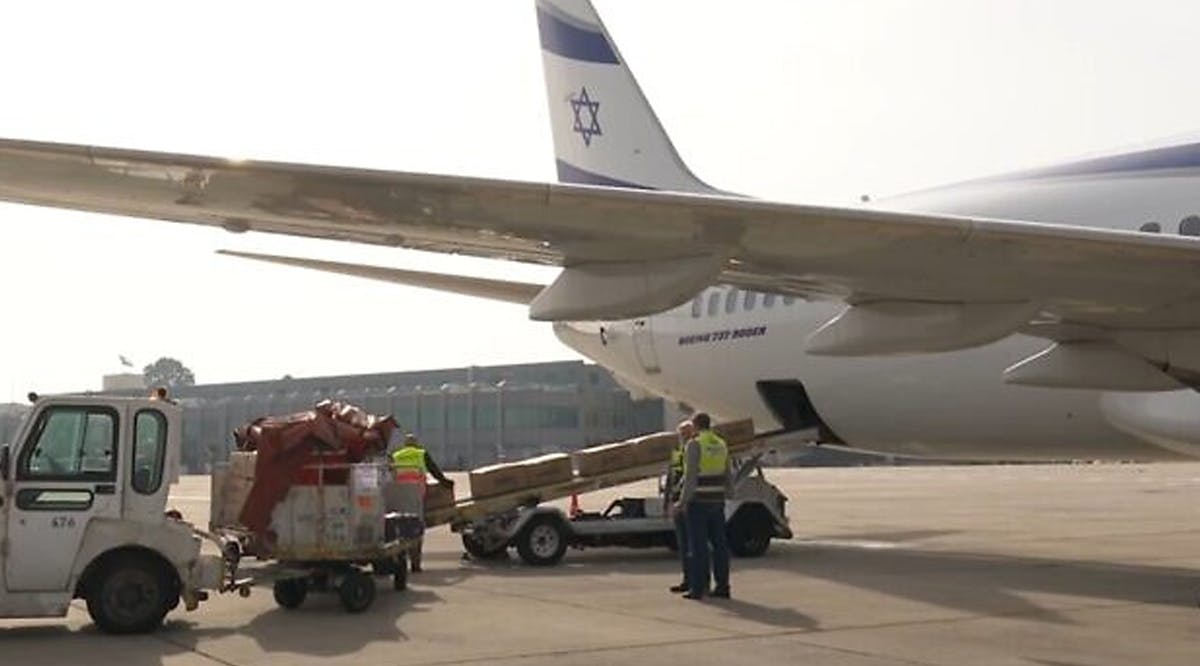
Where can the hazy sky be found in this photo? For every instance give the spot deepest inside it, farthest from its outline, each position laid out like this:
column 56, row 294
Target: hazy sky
column 804, row 101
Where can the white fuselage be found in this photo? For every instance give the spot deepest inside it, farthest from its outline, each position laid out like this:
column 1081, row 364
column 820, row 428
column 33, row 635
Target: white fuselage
column 953, row 404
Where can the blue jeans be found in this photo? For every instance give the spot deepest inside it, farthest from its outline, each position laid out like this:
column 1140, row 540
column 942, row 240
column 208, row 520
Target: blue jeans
column 706, row 526
column 681, row 540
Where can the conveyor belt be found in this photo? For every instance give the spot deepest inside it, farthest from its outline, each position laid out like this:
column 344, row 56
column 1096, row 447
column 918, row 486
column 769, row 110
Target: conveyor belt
column 476, row 508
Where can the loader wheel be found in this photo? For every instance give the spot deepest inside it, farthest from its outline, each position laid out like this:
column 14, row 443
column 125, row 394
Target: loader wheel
column 357, row 592
column 481, row 550
column 543, row 541
column 130, row 594
column 749, row 533
column 290, row 593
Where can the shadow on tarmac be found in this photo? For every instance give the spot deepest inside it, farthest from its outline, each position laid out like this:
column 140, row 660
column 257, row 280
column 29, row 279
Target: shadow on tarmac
column 893, row 564
column 981, row 583
column 889, row 563
column 784, row 618
column 319, row 628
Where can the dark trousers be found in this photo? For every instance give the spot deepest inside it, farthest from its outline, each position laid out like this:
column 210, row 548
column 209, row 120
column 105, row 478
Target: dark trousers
column 706, row 526
column 681, row 540
column 414, row 553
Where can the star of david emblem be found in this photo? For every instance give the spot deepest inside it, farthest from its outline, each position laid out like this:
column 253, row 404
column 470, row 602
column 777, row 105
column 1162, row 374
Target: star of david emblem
column 587, row 125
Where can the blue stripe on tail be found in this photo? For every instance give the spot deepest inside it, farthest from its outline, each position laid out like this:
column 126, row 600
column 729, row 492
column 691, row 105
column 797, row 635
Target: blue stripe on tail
column 573, row 174
column 574, row 42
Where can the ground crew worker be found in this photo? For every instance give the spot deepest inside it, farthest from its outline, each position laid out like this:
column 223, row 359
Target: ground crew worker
column 706, row 481
column 671, row 490
column 411, row 463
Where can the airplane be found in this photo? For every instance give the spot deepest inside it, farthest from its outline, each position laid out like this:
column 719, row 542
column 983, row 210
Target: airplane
column 1046, row 314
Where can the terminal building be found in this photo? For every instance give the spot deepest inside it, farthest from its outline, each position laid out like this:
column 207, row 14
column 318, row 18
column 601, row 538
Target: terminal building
column 465, row 417
column 10, row 420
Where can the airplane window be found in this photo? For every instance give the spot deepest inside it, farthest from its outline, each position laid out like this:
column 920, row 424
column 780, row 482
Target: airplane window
column 1151, row 227
column 714, row 300
column 748, row 300
column 768, row 300
column 731, row 301
column 697, row 305
column 1190, row 226
column 788, row 300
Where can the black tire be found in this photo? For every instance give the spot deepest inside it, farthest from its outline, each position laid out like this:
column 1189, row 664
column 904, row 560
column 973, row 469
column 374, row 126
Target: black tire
column 750, row 533
column 542, row 542
column 130, row 594
column 480, row 550
column 290, row 593
column 357, row 592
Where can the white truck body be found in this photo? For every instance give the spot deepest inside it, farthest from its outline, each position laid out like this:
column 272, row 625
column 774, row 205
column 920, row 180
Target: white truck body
column 82, row 514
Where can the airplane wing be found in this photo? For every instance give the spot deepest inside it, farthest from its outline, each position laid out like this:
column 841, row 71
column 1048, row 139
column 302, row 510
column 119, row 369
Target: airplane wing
column 913, row 282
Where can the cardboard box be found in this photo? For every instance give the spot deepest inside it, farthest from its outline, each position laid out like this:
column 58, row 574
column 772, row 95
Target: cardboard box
column 655, row 448
column 735, row 432
column 229, row 493
column 605, row 458
column 437, row 497
column 497, row 479
column 234, row 492
column 217, row 481
column 548, row 469
column 241, row 464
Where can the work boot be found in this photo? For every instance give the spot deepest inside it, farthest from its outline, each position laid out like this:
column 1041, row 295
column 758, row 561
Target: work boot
column 693, row 596
column 720, row 593
column 680, row 588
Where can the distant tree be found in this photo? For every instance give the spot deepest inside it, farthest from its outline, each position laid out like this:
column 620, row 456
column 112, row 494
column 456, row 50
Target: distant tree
column 168, row 372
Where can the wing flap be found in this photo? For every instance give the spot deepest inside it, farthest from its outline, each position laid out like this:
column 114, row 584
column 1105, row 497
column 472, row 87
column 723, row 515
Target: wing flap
column 508, row 291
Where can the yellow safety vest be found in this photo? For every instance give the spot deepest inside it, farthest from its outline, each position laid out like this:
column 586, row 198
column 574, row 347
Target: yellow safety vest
column 677, row 461
column 675, row 472
column 409, row 458
column 714, row 458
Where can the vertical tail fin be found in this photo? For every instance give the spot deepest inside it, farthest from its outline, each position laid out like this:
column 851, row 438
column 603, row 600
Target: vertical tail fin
column 605, row 132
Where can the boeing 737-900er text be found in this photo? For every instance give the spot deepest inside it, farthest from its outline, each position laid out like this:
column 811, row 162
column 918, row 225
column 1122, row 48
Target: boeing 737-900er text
column 1044, row 314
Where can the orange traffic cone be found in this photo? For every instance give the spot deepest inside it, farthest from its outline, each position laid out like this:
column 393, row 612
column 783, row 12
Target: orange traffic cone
column 574, row 510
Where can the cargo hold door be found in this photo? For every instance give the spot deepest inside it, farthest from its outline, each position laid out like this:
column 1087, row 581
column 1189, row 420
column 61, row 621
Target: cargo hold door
column 643, row 346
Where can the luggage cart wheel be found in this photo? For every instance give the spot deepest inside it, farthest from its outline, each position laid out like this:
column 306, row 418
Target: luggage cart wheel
column 290, row 592
column 357, row 592
column 400, row 574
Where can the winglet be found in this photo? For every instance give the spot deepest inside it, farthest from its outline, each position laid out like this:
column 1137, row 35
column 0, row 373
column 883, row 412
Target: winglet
column 605, row 132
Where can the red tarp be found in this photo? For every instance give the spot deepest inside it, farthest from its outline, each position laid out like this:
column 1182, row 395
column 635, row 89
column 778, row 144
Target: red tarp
column 332, row 432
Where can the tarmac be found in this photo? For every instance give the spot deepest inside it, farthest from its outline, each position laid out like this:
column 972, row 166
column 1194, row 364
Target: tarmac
column 1067, row 565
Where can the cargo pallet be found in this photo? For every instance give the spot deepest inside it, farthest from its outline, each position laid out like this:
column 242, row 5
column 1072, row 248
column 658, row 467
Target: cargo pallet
column 322, row 564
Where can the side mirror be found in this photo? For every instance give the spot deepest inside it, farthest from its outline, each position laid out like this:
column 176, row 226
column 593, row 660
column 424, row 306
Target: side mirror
column 4, row 455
